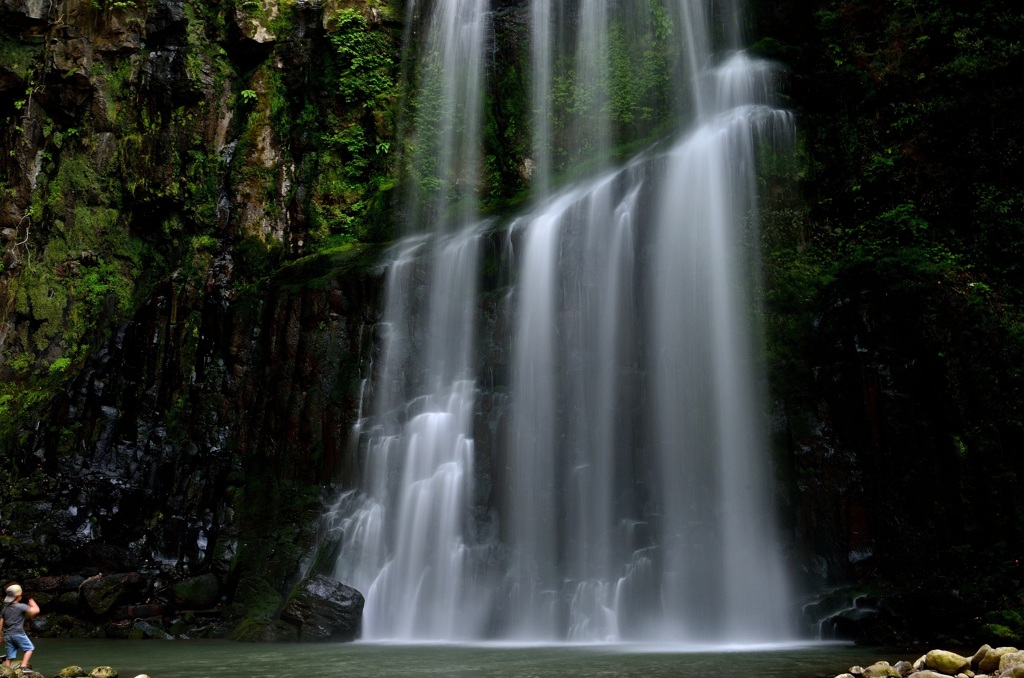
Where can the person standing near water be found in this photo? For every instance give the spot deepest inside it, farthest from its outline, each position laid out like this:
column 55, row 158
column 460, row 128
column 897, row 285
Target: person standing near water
column 12, row 626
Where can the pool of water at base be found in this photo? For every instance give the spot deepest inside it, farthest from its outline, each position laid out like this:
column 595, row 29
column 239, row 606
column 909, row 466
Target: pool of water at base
column 224, row 659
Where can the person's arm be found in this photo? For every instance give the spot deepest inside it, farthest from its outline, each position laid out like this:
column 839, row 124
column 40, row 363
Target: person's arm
column 33, row 609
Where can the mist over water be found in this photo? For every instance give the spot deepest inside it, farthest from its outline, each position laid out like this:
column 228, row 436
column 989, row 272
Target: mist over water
column 631, row 490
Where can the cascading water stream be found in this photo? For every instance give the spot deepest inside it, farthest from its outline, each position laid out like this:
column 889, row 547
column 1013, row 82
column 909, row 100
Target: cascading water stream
column 632, row 489
column 404, row 542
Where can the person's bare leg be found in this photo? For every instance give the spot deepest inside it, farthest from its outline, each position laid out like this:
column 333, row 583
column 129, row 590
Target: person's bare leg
column 24, row 660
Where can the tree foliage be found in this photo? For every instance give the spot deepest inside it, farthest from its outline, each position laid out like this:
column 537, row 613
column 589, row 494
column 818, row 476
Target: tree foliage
column 895, row 282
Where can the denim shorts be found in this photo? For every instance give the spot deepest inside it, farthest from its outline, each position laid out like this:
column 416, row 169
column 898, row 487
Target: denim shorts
column 15, row 642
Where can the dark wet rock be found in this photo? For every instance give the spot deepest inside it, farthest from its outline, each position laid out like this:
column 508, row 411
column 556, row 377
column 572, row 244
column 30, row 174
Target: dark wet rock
column 18, row 13
column 325, row 609
column 162, row 76
column 145, row 629
column 197, row 592
column 145, row 610
column 103, row 592
column 163, row 14
column 107, row 557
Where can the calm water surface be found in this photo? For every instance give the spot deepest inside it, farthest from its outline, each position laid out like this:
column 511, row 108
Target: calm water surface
column 222, row 659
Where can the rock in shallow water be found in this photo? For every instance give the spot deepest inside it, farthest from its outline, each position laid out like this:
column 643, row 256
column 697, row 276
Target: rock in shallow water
column 325, row 609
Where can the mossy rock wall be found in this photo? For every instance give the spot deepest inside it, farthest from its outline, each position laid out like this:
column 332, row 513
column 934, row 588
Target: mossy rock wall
column 169, row 407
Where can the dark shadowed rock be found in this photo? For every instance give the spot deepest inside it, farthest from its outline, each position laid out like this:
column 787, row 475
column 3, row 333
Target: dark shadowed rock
column 107, row 557
column 101, row 593
column 197, row 592
column 139, row 611
column 325, row 609
column 162, row 14
column 27, row 9
column 146, row 629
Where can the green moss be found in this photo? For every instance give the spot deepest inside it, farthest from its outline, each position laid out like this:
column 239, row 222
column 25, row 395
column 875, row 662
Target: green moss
column 19, row 56
column 276, row 523
column 117, row 76
column 318, row 270
column 1007, row 618
column 204, row 177
column 77, row 279
column 76, row 181
column 998, row 634
column 205, row 53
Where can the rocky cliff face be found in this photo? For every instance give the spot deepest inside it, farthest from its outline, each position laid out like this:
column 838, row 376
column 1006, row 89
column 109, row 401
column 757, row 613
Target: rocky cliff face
column 171, row 413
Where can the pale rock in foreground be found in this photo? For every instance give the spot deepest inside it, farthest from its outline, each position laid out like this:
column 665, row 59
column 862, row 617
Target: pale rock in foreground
column 989, row 663
column 881, row 669
column 1000, row 662
column 946, row 662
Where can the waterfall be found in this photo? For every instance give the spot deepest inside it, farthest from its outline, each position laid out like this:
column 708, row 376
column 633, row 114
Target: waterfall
column 404, row 542
column 630, row 493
